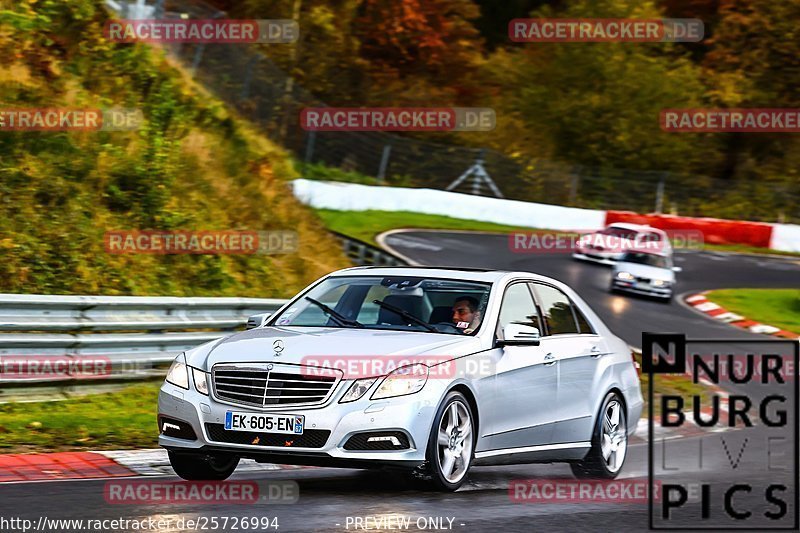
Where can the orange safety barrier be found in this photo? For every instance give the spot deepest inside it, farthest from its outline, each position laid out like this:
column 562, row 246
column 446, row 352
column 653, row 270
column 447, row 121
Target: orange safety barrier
column 715, row 230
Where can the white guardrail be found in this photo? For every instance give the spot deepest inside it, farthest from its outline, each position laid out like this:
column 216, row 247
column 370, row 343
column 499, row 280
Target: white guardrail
column 135, row 334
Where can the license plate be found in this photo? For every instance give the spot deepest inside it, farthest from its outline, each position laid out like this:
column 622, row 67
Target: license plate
column 288, row 424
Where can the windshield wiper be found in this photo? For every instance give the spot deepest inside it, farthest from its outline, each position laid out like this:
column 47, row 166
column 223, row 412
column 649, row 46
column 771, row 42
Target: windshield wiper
column 405, row 314
column 341, row 319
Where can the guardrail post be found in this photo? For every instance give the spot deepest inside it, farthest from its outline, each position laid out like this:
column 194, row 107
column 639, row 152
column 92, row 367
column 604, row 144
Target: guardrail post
column 660, row 195
column 311, row 138
column 248, row 76
column 574, row 184
column 387, row 150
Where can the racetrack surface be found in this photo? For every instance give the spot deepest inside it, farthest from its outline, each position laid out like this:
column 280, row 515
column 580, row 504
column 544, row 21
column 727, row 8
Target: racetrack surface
column 329, row 496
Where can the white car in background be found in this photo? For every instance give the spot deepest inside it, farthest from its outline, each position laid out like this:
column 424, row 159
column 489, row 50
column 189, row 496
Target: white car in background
column 645, row 273
column 608, row 245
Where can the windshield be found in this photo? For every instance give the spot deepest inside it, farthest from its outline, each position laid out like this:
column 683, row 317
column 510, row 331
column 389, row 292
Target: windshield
column 622, row 233
column 407, row 303
column 647, row 259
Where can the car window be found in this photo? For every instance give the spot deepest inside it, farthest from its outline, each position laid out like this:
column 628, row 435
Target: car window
column 622, row 233
column 419, row 297
column 518, row 307
column 583, row 324
column 557, row 310
column 640, row 258
column 368, row 314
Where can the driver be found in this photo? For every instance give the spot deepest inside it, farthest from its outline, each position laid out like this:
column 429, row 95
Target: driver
column 465, row 314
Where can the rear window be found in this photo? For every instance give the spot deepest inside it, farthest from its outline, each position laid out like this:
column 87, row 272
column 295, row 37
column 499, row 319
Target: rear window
column 556, row 310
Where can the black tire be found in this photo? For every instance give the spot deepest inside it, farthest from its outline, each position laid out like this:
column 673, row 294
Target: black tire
column 594, row 465
column 203, row 467
column 432, row 473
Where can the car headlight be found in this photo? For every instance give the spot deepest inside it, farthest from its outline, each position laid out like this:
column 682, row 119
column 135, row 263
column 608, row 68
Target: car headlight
column 178, row 373
column 661, row 283
column 358, row 389
column 403, row 381
column 625, row 275
column 200, row 381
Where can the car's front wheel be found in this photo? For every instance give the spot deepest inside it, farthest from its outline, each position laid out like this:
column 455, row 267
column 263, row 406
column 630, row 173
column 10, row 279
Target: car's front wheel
column 609, row 442
column 197, row 467
column 451, row 443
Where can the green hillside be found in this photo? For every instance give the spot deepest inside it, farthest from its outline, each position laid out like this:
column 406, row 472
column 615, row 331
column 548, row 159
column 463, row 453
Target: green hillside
column 193, row 166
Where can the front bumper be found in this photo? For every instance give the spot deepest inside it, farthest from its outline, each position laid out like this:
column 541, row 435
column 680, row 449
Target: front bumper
column 628, row 286
column 411, row 415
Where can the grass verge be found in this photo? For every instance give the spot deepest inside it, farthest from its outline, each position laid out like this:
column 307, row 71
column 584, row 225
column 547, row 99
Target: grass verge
column 776, row 307
column 115, row 420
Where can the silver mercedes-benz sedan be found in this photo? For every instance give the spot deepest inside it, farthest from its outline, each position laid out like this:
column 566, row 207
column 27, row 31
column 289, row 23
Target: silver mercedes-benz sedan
column 425, row 369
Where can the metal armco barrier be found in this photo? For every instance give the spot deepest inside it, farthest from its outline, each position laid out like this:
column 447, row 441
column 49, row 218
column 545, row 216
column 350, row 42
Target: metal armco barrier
column 363, row 254
column 133, row 333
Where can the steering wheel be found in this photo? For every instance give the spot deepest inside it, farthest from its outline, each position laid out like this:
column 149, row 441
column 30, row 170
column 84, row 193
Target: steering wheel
column 447, row 325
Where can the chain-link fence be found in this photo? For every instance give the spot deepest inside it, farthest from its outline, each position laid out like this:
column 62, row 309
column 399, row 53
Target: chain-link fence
column 243, row 76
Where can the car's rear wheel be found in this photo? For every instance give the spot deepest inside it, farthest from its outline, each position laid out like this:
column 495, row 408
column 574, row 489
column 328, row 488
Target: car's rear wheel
column 609, row 442
column 451, row 443
column 203, row 467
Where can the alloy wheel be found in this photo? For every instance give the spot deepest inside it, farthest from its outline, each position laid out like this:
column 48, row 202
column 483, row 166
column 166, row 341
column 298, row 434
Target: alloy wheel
column 614, row 438
column 454, row 442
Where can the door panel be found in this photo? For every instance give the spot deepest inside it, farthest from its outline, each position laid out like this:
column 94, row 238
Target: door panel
column 525, row 388
column 526, row 380
column 576, row 384
column 578, row 350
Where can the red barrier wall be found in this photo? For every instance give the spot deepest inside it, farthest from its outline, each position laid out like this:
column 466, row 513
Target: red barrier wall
column 715, row 230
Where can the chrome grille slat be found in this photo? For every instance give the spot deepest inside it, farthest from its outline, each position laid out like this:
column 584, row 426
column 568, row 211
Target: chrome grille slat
column 242, row 378
column 232, row 393
column 283, row 385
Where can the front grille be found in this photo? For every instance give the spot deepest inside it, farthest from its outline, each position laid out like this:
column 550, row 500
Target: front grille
column 359, row 441
column 643, row 280
column 271, row 384
column 311, row 438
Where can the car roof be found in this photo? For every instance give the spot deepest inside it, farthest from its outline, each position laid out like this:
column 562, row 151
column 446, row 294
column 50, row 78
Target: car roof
column 635, row 227
column 459, row 273
column 658, row 253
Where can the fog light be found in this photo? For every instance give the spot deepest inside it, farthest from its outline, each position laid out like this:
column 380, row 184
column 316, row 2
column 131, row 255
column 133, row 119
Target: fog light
column 391, row 439
column 379, row 440
column 178, row 429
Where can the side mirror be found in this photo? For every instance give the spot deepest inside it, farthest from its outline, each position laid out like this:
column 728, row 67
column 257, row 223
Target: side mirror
column 256, row 321
column 677, row 269
column 519, row 335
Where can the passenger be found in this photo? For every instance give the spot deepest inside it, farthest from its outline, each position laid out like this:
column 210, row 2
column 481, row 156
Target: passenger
column 465, row 314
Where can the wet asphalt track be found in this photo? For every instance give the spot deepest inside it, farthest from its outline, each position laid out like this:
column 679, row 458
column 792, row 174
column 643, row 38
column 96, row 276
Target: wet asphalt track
column 329, row 496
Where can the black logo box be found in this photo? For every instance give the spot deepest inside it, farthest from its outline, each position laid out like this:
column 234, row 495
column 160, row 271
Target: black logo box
column 678, row 366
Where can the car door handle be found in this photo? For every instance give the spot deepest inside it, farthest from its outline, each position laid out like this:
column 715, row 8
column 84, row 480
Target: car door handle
column 595, row 352
column 549, row 359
